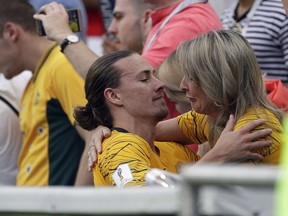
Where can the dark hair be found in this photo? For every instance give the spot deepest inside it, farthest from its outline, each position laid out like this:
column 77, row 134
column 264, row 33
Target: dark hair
column 19, row 12
column 101, row 75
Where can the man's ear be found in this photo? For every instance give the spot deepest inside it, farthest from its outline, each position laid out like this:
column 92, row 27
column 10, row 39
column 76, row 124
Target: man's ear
column 147, row 22
column 113, row 96
column 11, row 31
column 147, row 15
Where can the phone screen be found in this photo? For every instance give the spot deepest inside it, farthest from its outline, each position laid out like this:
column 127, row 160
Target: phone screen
column 75, row 22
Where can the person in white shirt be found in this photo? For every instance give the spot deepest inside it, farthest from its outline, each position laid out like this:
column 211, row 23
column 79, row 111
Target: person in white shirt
column 10, row 134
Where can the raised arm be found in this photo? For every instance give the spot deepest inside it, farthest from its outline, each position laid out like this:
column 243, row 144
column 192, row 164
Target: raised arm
column 169, row 130
column 56, row 25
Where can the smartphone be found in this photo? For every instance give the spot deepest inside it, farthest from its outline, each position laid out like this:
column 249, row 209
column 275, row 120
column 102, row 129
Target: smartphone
column 75, row 22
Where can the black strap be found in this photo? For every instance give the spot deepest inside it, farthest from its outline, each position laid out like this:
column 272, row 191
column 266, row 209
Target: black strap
column 10, row 105
column 119, row 129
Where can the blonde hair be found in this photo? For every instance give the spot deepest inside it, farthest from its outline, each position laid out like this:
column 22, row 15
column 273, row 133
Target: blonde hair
column 224, row 65
column 171, row 76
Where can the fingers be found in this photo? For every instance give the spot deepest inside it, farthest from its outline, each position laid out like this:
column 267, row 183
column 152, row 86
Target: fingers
column 250, row 153
column 230, row 124
column 53, row 6
column 38, row 16
column 92, row 157
column 100, row 134
column 260, row 144
column 93, row 154
column 259, row 134
column 106, row 132
column 95, row 145
column 90, row 163
column 255, row 156
column 48, row 8
column 252, row 125
column 62, row 8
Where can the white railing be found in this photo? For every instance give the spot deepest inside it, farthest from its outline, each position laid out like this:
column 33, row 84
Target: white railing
column 204, row 190
column 228, row 190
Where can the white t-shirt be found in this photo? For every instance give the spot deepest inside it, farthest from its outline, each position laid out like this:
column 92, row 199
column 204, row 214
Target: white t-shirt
column 10, row 135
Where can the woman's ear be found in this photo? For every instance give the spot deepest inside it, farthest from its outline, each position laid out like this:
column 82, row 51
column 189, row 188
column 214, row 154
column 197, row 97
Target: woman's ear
column 113, row 96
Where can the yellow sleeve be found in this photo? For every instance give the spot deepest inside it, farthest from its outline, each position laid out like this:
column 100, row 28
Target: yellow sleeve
column 194, row 126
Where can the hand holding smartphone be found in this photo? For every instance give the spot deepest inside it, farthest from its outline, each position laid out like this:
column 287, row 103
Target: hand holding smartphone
column 75, row 22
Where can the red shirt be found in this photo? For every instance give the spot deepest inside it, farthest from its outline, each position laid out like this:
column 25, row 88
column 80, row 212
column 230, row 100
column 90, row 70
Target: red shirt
column 192, row 21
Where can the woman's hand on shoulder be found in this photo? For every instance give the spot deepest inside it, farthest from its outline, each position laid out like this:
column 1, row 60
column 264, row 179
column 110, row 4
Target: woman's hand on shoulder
column 95, row 145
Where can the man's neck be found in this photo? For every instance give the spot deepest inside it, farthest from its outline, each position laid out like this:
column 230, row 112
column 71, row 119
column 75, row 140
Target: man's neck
column 244, row 6
column 142, row 128
column 36, row 47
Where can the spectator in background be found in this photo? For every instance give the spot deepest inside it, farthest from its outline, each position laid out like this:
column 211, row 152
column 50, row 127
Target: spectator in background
column 265, row 25
column 129, row 26
column 10, row 134
column 107, row 7
column 174, row 22
column 52, row 145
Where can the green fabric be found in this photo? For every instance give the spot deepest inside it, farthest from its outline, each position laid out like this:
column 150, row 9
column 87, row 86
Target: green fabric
column 65, row 146
column 282, row 184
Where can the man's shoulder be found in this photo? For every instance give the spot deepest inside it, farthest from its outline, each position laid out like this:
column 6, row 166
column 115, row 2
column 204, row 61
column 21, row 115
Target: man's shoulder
column 124, row 139
column 59, row 65
column 126, row 144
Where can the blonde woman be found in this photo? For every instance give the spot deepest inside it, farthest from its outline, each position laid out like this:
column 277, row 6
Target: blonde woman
column 222, row 77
